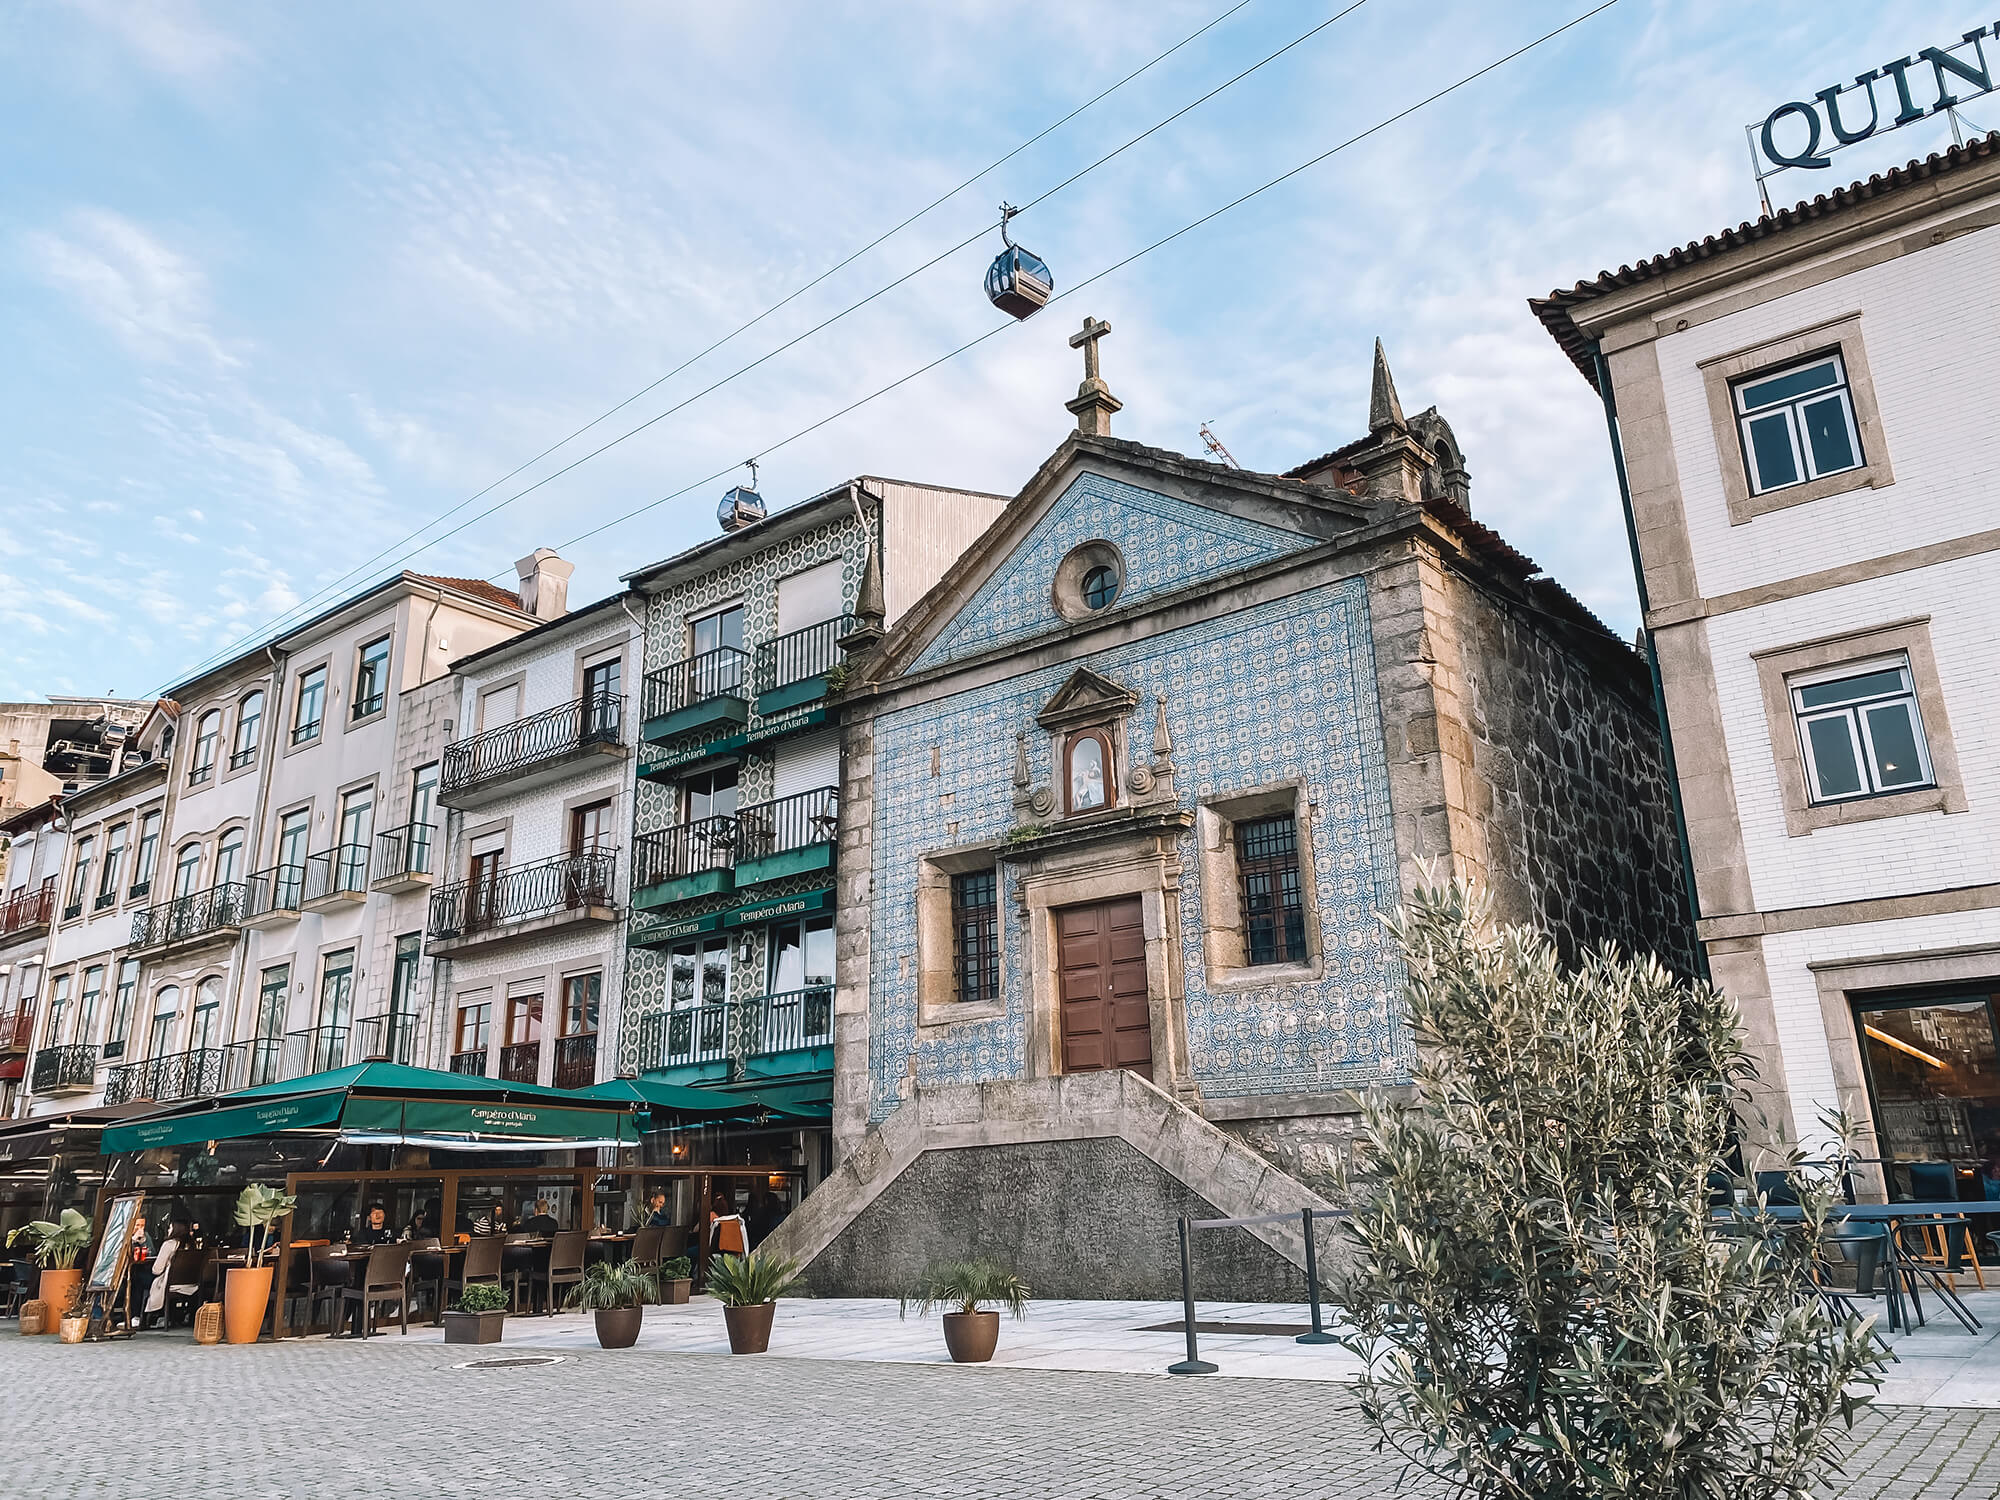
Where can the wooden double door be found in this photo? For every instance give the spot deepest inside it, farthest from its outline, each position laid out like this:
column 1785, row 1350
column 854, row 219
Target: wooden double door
column 1106, row 1018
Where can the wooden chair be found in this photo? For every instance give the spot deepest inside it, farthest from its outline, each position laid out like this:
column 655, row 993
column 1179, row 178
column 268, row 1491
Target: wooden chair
column 385, row 1278
column 430, row 1267
column 646, row 1248
column 480, row 1266
column 563, row 1268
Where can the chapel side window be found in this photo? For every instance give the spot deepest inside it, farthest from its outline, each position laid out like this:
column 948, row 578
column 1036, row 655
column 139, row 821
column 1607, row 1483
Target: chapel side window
column 975, row 936
column 1267, row 874
column 1088, row 771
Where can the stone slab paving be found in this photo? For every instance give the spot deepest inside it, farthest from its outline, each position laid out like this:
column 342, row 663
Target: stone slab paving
column 392, row 1416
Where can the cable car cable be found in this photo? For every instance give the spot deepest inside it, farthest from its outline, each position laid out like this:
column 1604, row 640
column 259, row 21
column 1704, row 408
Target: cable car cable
column 741, row 328
column 1116, row 265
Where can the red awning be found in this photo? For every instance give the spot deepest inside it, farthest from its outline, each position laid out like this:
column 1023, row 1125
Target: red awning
column 13, row 1067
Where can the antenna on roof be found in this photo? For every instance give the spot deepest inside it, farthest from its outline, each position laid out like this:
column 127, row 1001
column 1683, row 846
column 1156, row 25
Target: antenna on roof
column 1214, row 445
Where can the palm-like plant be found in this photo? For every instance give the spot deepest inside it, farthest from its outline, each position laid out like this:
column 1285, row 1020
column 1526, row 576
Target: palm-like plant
column 969, row 1283
column 606, row 1286
column 55, row 1245
column 257, row 1208
column 752, row 1280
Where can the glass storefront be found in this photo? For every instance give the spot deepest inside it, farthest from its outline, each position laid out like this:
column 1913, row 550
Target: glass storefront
column 1933, row 1066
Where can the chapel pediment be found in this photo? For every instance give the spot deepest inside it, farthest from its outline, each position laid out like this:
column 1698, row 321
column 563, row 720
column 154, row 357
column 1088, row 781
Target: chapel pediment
column 1086, row 698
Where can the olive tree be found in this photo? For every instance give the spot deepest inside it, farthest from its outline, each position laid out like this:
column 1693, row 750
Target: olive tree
column 1548, row 1303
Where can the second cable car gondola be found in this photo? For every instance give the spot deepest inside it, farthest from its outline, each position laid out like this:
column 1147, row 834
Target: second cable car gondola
column 1017, row 282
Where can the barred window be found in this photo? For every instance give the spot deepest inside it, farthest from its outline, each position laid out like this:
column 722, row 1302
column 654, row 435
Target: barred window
column 1267, row 868
column 975, row 936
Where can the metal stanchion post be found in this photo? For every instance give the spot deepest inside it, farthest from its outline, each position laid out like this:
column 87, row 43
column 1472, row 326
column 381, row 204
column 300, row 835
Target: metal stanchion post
column 1194, row 1364
column 1319, row 1335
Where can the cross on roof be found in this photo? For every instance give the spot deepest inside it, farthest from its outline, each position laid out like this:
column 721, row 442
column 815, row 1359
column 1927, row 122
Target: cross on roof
column 1086, row 340
column 1094, row 403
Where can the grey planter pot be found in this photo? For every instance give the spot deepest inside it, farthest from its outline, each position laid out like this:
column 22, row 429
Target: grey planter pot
column 474, row 1327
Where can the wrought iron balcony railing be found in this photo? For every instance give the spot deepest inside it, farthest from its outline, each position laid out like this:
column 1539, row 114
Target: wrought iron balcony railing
column 685, row 849
column 570, row 882
column 58, row 1069
column 17, row 1030
column 198, row 1073
column 472, row 1063
column 274, row 892
column 800, row 654
column 547, row 737
column 404, row 854
column 721, row 673
column 794, row 822
column 576, row 1061
column 339, row 871
column 219, row 908
column 391, row 1037
column 520, row 1062
column 797, row 1019
column 73, row 910
column 29, row 907
column 694, row 1034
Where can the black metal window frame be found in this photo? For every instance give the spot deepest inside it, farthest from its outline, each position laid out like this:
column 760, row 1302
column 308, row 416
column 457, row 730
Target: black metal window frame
column 249, row 732
column 1271, row 890
column 975, row 936
column 304, row 729
column 371, row 679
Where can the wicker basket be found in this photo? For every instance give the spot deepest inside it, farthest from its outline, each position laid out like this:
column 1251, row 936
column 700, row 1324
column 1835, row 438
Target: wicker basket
column 35, row 1316
column 208, row 1323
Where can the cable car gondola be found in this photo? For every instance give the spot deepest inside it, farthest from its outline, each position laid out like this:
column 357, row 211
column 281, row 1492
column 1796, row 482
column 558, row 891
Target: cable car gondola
column 1017, row 282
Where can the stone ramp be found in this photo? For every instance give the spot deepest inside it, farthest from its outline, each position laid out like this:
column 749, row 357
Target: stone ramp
column 1076, row 1180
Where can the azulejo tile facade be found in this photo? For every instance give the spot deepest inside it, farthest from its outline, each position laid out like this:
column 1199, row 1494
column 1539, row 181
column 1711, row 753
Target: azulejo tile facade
column 1283, row 690
column 1167, row 544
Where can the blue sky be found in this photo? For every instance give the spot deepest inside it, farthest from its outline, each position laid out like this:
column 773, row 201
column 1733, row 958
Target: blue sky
column 281, row 284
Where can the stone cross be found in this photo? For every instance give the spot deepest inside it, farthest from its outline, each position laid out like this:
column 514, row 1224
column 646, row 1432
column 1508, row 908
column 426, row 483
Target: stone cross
column 1093, row 330
column 1094, row 403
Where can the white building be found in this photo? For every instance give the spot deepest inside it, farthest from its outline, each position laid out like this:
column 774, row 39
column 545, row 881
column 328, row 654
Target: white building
column 1807, row 411
column 37, row 847
column 528, row 916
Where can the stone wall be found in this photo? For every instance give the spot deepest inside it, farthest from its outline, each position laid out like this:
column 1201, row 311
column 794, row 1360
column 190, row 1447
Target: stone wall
column 1076, row 1218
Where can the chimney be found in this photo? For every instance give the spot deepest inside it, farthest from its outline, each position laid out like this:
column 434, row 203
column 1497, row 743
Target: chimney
column 544, row 584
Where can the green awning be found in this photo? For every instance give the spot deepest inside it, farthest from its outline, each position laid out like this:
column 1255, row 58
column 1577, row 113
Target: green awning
column 704, row 1104
column 496, row 1121
column 262, row 1117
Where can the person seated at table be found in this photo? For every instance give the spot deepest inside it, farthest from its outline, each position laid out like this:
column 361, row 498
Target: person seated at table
column 658, row 1215
column 541, row 1222
column 375, row 1228
column 153, row 1309
column 421, row 1226
column 726, row 1235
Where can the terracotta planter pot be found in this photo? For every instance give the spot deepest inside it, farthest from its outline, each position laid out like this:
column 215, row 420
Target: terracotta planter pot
column 474, row 1327
column 676, row 1291
column 618, row 1327
column 749, row 1327
column 245, row 1300
column 971, row 1336
column 35, row 1316
column 55, row 1289
column 72, row 1330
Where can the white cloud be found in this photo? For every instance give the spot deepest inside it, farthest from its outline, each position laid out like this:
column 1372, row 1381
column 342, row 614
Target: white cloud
column 172, row 36
column 152, row 298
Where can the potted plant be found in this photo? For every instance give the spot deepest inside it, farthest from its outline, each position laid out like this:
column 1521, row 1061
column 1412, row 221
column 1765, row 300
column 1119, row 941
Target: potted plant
column 75, row 1320
column 971, row 1332
column 676, row 1279
column 56, row 1247
column 480, row 1317
column 748, row 1287
column 616, row 1295
column 248, row 1289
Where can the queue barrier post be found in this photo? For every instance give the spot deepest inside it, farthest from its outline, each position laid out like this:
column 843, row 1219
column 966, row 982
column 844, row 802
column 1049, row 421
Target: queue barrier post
column 1319, row 1335
column 1194, row 1364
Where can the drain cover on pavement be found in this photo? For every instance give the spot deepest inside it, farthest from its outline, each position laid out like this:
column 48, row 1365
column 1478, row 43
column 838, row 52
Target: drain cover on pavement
column 509, row 1361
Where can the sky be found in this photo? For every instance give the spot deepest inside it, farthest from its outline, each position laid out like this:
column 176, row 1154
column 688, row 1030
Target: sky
column 280, row 285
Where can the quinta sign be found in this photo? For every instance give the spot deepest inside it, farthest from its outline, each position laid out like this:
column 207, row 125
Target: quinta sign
column 1899, row 93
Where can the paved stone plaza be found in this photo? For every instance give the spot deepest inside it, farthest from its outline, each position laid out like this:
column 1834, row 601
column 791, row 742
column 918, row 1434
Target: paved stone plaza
column 394, row 1416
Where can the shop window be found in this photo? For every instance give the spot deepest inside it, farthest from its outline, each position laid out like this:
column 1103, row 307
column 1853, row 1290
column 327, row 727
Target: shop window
column 1933, row 1071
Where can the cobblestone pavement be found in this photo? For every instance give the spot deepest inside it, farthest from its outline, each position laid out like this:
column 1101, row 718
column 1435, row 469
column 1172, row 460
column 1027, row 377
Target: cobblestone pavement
column 303, row 1420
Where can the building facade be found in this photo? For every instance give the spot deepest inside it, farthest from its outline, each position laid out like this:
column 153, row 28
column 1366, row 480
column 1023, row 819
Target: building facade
column 37, row 846
column 1129, row 793
column 1805, row 411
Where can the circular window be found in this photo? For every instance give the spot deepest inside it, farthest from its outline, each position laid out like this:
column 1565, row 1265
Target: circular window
column 1088, row 580
column 1100, row 587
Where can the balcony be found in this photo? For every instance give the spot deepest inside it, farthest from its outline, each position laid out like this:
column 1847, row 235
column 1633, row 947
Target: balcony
column 273, row 896
column 472, row 1064
column 73, row 910
column 336, row 878
column 386, row 1038
column 29, row 912
column 524, row 900
column 199, row 1073
column 521, row 1062
column 17, row 1031
column 682, row 862
column 64, row 1070
column 788, row 1033
column 576, row 1061
column 790, row 836
column 211, row 916
column 792, row 669
column 403, row 858
column 277, row 1059
column 702, row 692
column 531, row 752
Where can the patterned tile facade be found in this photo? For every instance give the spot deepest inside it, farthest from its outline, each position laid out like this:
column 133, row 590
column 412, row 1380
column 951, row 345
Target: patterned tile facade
column 1167, row 544
column 1286, row 689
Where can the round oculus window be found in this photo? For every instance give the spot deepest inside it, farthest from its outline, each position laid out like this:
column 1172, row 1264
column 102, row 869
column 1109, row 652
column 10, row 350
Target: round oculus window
column 1099, row 587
